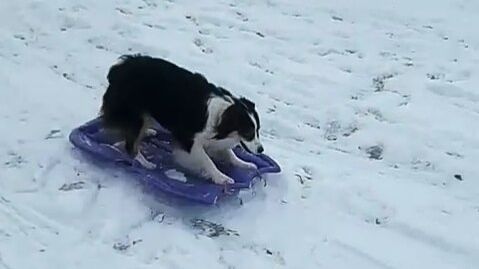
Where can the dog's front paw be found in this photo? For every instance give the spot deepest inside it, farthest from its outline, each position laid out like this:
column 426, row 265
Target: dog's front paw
column 247, row 165
column 222, row 179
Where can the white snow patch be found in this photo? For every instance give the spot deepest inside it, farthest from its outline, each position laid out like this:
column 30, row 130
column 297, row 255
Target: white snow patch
column 176, row 175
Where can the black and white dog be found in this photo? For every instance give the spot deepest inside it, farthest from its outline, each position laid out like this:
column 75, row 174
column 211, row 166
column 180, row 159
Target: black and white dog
column 205, row 120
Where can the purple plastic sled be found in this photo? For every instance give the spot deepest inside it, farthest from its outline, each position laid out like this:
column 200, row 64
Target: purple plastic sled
column 167, row 177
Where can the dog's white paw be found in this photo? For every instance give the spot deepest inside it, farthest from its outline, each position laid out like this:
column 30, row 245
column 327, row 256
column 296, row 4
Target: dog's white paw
column 120, row 145
column 149, row 165
column 222, row 180
column 150, row 132
column 144, row 162
column 247, row 165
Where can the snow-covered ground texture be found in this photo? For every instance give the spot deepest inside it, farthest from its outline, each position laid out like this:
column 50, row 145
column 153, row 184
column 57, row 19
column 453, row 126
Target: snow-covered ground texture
column 371, row 108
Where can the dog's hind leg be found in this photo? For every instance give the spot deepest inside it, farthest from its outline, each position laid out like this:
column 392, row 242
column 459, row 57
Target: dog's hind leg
column 147, row 130
column 133, row 136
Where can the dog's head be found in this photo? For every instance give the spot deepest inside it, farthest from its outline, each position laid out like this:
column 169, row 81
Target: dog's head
column 241, row 120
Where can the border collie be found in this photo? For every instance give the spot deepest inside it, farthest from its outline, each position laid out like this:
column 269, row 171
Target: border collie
column 205, row 121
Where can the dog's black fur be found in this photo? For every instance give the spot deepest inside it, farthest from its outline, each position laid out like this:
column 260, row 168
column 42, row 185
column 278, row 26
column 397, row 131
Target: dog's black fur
column 175, row 97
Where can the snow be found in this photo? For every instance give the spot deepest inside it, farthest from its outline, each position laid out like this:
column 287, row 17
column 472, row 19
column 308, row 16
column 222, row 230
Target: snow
column 370, row 107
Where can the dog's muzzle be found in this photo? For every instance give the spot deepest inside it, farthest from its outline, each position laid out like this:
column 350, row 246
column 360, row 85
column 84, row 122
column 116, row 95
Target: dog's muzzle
column 258, row 150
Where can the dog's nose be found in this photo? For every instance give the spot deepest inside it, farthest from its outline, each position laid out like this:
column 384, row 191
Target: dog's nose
column 260, row 149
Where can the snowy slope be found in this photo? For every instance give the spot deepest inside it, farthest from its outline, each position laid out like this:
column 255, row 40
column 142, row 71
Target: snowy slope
column 371, row 107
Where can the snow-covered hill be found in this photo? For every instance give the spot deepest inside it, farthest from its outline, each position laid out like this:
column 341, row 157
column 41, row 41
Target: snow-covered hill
column 371, row 107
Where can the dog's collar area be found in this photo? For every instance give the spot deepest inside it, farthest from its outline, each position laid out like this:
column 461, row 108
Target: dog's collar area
column 245, row 147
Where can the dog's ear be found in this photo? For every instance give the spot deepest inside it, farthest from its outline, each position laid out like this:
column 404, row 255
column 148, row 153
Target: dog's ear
column 250, row 105
column 228, row 122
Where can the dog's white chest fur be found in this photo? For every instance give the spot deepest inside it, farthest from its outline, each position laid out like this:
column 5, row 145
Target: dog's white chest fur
column 216, row 108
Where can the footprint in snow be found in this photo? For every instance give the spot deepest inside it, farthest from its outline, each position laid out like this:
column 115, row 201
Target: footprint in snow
column 211, row 229
column 200, row 44
column 374, row 152
column 15, row 161
column 72, row 186
column 55, row 133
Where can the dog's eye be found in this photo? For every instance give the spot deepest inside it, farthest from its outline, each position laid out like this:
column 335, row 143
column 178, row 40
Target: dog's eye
column 250, row 134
